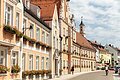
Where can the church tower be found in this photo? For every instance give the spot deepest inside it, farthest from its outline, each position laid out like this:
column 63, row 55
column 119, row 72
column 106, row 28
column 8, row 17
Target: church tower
column 82, row 27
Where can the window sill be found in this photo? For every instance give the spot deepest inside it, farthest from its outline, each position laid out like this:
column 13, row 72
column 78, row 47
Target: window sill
column 3, row 74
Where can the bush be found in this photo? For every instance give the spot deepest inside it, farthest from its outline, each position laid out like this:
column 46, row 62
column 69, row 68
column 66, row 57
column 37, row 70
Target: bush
column 97, row 68
column 103, row 68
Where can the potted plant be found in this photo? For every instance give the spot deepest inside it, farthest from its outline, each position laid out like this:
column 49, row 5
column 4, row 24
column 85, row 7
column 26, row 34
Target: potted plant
column 32, row 41
column 26, row 38
column 18, row 33
column 9, row 29
column 15, row 69
column 3, row 69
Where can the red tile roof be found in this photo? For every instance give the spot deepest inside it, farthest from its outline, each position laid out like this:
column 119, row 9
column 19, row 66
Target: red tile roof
column 47, row 11
column 47, row 8
column 82, row 41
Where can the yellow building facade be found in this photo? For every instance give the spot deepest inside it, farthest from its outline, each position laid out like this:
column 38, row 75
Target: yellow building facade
column 33, row 44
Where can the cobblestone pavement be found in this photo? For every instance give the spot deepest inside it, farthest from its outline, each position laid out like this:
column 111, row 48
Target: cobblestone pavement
column 95, row 76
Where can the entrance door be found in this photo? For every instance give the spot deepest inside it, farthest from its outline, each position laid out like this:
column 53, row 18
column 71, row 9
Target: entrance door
column 56, row 66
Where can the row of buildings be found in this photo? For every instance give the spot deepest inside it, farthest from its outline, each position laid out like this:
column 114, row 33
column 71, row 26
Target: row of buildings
column 38, row 40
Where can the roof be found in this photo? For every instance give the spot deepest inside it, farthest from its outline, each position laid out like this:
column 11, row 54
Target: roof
column 82, row 41
column 47, row 11
column 97, row 45
column 38, row 19
column 46, row 8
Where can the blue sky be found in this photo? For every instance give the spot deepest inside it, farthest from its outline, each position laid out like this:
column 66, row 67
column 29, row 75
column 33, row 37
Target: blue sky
column 101, row 19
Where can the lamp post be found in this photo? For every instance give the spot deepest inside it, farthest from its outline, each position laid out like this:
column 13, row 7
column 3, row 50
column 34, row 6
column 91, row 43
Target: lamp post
column 21, row 49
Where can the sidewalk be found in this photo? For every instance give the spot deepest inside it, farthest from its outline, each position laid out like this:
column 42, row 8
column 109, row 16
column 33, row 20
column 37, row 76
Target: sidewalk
column 69, row 76
column 116, row 76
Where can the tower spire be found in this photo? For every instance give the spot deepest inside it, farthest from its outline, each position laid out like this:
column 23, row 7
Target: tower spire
column 82, row 26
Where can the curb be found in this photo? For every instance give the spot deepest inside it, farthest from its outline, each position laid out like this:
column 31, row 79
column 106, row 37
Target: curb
column 69, row 76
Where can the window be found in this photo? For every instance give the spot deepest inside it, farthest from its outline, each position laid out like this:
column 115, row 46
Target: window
column 27, row 4
column 8, row 15
column 63, row 63
column 37, row 34
column 32, row 31
column 47, row 65
column 112, row 54
column 23, row 62
column 37, row 62
column 63, row 31
column 55, row 23
column 24, row 25
column 57, row 43
column 43, row 36
column 54, row 41
column 38, row 13
column 30, row 62
column 17, row 21
column 14, row 58
column 66, row 32
column 2, row 57
column 47, row 38
column 42, row 63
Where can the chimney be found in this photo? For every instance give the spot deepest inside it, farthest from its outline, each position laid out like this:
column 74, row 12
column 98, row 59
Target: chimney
column 95, row 41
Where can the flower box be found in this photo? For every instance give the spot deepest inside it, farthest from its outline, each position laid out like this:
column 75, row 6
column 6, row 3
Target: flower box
column 9, row 29
column 3, row 69
column 26, row 38
column 32, row 41
column 18, row 33
column 15, row 69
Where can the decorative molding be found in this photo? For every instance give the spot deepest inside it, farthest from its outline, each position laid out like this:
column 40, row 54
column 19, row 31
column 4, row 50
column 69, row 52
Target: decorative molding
column 15, row 1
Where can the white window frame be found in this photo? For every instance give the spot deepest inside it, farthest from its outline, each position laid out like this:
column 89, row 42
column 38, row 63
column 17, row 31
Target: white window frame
column 17, row 20
column 38, row 13
column 30, row 62
column 27, row 4
column 43, row 36
column 14, row 58
column 10, row 19
column 54, row 41
column 37, row 34
column 32, row 31
column 37, row 62
column 2, row 57
column 47, row 65
column 55, row 23
column 23, row 62
column 47, row 38
column 42, row 63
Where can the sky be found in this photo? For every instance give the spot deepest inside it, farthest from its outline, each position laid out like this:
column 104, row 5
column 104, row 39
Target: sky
column 101, row 19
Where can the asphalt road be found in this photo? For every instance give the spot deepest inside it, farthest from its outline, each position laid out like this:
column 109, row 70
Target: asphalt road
column 94, row 76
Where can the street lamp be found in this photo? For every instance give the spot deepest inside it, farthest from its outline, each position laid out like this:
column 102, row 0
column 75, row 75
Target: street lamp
column 21, row 49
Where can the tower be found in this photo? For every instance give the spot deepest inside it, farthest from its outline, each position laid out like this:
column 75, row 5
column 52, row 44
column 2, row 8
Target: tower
column 82, row 27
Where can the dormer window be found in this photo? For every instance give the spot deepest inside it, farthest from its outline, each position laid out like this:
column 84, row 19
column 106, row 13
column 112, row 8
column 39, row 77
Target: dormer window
column 38, row 13
column 27, row 4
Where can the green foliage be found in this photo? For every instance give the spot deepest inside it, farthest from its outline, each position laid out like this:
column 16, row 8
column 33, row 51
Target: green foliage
column 103, row 68
column 15, row 69
column 36, row 72
column 3, row 69
column 9, row 29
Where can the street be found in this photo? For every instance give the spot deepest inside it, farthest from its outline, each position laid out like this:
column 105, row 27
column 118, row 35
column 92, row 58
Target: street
column 94, row 76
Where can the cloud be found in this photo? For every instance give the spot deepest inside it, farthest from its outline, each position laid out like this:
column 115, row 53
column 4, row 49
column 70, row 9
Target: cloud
column 101, row 18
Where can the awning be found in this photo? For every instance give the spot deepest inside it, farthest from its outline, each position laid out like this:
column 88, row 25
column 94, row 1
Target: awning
column 7, row 44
